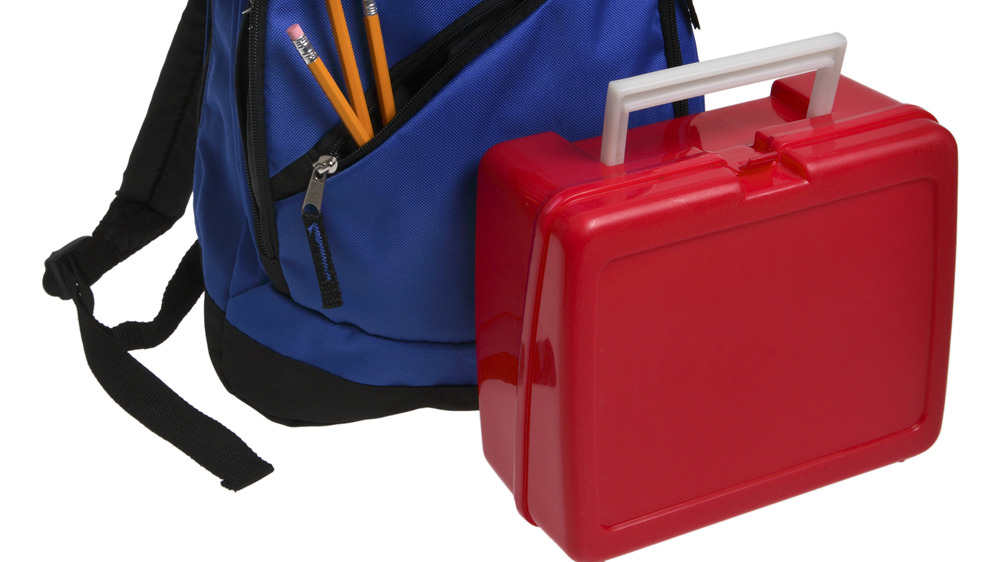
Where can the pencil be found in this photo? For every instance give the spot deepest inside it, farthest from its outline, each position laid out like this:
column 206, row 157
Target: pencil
column 376, row 46
column 348, row 64
column 330, row 88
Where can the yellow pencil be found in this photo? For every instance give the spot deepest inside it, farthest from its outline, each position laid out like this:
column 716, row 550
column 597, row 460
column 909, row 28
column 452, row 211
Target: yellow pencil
column 338, row 21
column 386, row 101
column 330, row 88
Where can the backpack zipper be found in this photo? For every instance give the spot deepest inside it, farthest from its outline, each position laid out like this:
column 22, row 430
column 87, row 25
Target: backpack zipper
column 255, row 143
column 250, row 102
column 323, row 168
column 241, row 80
column 319, row 243
column 673, row 45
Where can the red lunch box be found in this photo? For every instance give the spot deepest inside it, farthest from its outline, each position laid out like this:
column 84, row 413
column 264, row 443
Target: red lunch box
column 744, row 305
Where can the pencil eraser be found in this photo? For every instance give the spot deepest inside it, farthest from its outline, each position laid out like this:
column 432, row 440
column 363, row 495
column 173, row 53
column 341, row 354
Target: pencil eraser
column 295, row 32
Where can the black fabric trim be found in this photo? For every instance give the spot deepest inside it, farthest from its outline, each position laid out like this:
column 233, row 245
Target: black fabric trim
column 692, row 14
column 293, row 393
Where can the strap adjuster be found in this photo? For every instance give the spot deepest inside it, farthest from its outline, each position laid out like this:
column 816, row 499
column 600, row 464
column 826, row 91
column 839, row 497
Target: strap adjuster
column 61, row 274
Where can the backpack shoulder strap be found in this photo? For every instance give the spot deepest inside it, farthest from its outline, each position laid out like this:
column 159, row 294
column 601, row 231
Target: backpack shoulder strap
column 156, row 187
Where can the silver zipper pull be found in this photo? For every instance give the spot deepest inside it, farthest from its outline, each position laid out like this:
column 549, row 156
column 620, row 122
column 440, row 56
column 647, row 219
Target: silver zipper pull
column 323, row 168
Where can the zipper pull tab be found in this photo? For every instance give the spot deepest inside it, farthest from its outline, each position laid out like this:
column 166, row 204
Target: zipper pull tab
column 319, row 245
column 323, row 168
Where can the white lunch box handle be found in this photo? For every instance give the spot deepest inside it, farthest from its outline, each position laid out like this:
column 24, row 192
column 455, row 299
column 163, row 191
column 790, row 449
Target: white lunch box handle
column 824, row 53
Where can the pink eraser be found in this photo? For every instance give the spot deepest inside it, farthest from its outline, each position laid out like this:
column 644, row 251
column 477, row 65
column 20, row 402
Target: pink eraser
column 295, row 32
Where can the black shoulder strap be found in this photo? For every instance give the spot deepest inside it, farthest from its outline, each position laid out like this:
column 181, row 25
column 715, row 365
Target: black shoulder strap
column 156, row 187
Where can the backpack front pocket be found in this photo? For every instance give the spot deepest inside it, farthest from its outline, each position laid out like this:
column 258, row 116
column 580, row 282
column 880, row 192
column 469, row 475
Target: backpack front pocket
column 386, row 243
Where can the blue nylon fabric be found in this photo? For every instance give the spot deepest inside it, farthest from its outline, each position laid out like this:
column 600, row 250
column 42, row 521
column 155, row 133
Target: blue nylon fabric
column 347, row 351
column 220, row 204
column 400, row 221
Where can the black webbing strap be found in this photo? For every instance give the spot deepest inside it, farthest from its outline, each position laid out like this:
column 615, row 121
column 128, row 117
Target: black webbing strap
column 146, row 398
column 156, row 187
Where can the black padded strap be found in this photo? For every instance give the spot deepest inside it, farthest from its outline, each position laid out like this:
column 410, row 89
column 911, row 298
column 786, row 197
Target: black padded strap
column 146, row 398
column 156, row 184
column 156, row 187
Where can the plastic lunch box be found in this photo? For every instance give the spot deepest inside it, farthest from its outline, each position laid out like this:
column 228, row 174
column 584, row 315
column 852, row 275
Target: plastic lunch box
column 744, row 305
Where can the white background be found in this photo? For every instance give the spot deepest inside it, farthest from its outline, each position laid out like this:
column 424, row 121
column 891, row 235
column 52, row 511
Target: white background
column 80, row 478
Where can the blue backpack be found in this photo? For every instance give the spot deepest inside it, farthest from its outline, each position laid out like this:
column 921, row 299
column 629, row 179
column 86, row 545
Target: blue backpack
column 339, row 278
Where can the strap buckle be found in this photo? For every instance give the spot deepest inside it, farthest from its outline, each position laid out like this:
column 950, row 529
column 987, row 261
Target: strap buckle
column 61, row 277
